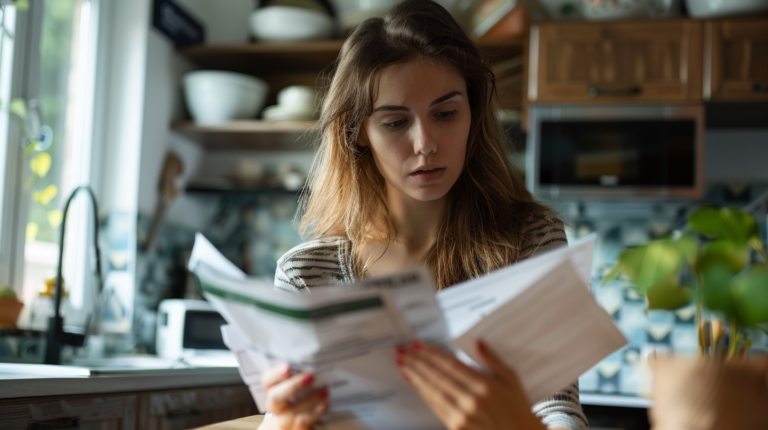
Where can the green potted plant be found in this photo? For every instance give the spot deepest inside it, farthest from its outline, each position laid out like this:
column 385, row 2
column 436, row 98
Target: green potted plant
column 720, row 265
column 10, row 307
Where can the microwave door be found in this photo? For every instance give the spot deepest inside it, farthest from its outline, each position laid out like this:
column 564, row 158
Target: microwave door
column 609, row 155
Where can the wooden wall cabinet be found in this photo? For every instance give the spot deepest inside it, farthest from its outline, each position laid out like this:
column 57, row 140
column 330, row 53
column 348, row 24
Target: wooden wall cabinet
column 737, row 60
column 616, row 62
column 162, row 410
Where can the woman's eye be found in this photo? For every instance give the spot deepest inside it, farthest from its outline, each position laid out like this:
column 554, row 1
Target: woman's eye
column 446, row 114
column 394, row 125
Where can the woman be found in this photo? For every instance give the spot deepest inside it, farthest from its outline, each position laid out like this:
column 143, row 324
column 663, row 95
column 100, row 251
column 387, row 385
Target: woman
column 411, row 171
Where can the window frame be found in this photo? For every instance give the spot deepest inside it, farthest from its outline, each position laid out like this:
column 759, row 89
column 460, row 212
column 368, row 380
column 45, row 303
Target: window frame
column 15, row 204
column 13, row 227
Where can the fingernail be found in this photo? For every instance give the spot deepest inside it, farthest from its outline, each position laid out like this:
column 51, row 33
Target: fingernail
column 407, row 379
column 307, row 379
column 287, row 369
column 481, row 346
column 400, row 350
column 399, row 362
column 416, row 345
column 323, row 394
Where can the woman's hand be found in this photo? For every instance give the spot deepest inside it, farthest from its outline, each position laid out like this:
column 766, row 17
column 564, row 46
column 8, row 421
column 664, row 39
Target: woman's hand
column 462, row 397
column 295, row 405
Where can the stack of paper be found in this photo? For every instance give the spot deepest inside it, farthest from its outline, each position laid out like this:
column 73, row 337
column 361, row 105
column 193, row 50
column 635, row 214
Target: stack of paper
column 537, row 314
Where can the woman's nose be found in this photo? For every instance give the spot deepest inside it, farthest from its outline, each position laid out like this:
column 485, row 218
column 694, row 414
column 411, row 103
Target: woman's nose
column 424, row 141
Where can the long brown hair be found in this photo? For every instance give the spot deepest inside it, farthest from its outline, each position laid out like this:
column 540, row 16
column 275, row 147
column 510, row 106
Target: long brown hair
column 482, row 227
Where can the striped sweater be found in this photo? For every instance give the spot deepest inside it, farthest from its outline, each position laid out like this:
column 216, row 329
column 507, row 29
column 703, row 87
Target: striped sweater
column 329, row 261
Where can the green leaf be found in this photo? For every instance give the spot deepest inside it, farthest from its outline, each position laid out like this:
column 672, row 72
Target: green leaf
column 651, row 263
column 688, row 247
column 668, row 295
column 613, row 274
column 18, row 107
column 7, row 293
column 716, row 291
column 730, row 224
column 725, row 253
column 22, row 5
column 751, row 292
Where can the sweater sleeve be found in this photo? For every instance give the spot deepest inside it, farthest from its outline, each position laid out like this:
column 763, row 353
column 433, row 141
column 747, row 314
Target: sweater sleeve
column 562, row 409
column 543, row 234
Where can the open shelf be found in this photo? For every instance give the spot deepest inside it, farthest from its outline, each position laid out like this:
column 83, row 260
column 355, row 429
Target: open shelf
column 280, row 65
column 230, row 187
column 248, row 134
column 255, row 58
column 246, row 126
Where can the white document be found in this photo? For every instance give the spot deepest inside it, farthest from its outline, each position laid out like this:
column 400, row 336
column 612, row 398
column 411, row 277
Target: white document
column 538, row 315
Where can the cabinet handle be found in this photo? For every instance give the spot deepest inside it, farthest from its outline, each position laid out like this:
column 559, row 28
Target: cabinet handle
column 185, row 415
column 759, row 88
column 595, row 92
column 61, row 424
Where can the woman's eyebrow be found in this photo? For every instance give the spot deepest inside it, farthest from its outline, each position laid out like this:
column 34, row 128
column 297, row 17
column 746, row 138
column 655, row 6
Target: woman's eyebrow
column 435, row 102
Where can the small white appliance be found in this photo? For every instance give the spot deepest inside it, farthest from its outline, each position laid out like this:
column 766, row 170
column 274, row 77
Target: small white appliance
column 188, row 327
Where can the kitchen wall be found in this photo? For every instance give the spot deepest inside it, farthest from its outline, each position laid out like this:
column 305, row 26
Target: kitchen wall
column 736, row 155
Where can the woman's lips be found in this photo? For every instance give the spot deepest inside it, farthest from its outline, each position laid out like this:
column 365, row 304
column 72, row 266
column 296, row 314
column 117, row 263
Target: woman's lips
column 427, row 176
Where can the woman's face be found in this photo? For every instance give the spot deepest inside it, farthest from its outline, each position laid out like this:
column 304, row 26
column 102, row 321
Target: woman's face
column 419, row 128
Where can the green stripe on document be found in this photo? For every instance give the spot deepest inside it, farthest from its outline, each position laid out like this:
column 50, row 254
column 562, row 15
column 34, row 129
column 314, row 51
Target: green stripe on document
column 324, row 312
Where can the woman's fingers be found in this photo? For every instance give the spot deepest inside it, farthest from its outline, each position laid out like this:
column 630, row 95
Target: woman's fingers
column 279, row 396
column 314, row 414
column 308, row 403
column 442, row 403
column 494, row 363
column 451, row 366
column 275, row 375
column 437, row 399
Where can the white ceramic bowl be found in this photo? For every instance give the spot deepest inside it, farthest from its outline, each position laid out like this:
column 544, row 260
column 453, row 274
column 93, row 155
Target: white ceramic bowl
column 286, row 23
column 214, row 97
column 297, row 95
column 715, row 9
column 624, row 9
column 353, row 12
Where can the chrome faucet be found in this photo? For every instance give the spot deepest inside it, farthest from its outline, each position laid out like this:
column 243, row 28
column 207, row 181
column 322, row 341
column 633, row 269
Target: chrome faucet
column 56, row 336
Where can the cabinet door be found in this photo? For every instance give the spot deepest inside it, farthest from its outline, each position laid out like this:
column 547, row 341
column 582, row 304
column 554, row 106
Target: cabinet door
column 651, row 61
column 103, row 412
column 738, row 60
column 183, row 409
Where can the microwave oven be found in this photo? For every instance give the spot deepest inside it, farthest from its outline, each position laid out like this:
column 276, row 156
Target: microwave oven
column 615, row 151
column 188, row 327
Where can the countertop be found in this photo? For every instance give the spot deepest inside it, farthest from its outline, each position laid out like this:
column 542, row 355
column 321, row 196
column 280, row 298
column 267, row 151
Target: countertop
column 247, row 423
column 109, row 376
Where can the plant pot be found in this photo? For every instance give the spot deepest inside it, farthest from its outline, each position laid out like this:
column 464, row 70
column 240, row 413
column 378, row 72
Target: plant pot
column 700, row 394
column 9, row 312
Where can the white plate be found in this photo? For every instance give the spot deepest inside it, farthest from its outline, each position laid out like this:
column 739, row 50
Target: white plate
column 287, row 113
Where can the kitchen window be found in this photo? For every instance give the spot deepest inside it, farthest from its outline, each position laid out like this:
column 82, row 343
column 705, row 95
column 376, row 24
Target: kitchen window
column 45, row 143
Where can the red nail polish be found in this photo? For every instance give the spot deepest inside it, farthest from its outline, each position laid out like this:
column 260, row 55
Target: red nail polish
column 400, row 350
column 307, row 379
column 323, row 394
column 481, row 347
column 407, row 379
column 416, row 345
column 399, row 362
